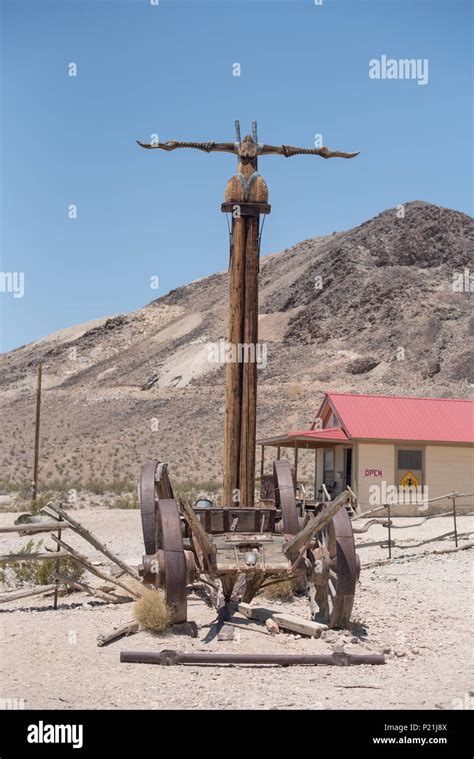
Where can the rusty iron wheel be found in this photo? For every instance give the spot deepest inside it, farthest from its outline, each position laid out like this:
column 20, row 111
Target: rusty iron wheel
column 154, row 484
column 335, row 593
column 162, row 535
column 173, row 565
column 285, row 498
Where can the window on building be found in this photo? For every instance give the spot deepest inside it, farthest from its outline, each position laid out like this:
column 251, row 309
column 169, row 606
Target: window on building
column 329, row 460
column 410, row 459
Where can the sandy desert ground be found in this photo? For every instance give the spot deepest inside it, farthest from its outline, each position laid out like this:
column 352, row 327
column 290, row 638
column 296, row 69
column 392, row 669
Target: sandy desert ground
column 418, row 611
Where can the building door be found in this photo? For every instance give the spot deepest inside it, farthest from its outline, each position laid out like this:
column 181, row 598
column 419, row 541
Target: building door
column 329, row 475
column 347, row 467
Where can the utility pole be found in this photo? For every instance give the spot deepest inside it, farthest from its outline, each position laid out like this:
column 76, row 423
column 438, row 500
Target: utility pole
column 37, row 436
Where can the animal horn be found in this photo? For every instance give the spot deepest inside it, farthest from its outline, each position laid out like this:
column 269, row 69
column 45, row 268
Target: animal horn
column 237, row 130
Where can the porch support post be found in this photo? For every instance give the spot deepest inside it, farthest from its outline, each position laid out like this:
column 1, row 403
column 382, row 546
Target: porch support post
column 315, row 474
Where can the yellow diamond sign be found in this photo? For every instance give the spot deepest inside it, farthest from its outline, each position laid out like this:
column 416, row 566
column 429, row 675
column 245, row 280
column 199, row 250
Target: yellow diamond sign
column 409, row 481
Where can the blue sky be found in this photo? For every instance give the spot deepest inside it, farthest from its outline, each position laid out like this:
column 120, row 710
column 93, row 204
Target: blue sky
column 168, row 69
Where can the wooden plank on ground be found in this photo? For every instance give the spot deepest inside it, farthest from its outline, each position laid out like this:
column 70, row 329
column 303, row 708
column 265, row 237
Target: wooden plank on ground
column 299, row 625
column 256, row 612
column 285, row 621
column 16, row 594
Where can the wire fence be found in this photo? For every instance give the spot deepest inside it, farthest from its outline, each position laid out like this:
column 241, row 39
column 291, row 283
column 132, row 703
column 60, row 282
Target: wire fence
column 387, row 522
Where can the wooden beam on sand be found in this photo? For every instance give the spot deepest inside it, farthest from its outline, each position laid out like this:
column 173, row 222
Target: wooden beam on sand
column 15, row 595
column 93, row 591
column 129, row 628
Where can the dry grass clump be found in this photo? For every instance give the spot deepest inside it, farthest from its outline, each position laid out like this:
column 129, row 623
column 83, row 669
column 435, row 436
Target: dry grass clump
column 280, row 591
column 152, row 611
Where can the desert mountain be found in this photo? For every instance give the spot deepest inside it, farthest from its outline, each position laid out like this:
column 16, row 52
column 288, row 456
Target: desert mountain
column 383, row 308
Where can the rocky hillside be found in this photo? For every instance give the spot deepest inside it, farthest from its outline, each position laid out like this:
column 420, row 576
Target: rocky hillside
column 372, row 309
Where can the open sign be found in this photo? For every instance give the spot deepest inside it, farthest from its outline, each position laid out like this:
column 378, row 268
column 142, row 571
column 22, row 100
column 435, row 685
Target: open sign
column 373, row 472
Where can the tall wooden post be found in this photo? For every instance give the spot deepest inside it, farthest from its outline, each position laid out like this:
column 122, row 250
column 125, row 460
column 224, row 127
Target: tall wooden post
column 249, row 371
column 233, row 398
column 246, row 197
column 241, row 374
column 37, row 435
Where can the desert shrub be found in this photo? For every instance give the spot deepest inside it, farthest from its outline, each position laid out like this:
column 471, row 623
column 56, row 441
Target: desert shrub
column 125, row 501
column 152, row 612
column 25, row 490
column 61, row 487
column 280, row 591
column 42, row 572
column 41, row 500
column 13, row 505
column 7, row 486
column 98, row 487
column 194, row 489
column 119, row 486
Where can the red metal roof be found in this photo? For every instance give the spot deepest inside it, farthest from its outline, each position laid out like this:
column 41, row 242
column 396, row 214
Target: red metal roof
column 331, row 433
column 383, row 417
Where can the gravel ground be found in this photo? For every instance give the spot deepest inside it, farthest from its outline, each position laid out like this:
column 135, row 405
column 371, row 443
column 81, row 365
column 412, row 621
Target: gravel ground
column 416, row 610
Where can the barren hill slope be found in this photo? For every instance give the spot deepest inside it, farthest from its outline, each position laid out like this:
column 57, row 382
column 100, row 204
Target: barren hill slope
column 372, row 309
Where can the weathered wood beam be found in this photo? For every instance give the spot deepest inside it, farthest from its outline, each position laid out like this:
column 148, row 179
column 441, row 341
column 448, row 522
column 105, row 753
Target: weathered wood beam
column 285, row 621
column 249, row 369
column 412, row 556
column 316, row 524
column 129, row 628
column 206, row 544
column 299, row 625
column 16, row 594
column 34, row 527
column 83, row 562
column 93, row 541
column 233, row 392
column 48, row 556
column 93, row 591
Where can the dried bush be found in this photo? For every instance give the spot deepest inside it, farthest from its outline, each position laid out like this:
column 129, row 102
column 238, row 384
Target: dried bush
column 280, row 591
column 32, row 573
column 152, row 611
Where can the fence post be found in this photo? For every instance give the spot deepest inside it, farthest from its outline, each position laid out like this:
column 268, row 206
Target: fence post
column 56, row 581
column 455, row 522
column 389, row 525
